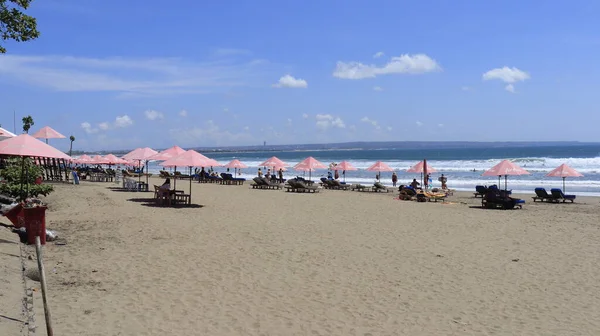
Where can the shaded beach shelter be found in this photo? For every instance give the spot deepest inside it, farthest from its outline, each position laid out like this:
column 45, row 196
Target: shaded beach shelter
column 84, row 159
column 48, row 132
column 345, row 166
column 190, row 159
column 139, row 155
column 235, row 164
column 505, row 168
column 5, row 134
column 309, row 164
column 564, row 171
column 111, row 159
column 97, row 159
column 167, row 154
column 25, row 145
column 273, row 162
column 380, row 167
column 423, row 168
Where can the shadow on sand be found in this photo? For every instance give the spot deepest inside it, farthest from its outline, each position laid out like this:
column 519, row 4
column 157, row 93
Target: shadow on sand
column 150, row 202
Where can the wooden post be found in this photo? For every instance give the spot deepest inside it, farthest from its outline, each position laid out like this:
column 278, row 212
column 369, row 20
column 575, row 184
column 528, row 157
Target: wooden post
column 38, row 250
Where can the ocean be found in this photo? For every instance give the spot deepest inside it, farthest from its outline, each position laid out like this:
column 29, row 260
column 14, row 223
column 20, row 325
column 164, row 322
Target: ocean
column 462, row 166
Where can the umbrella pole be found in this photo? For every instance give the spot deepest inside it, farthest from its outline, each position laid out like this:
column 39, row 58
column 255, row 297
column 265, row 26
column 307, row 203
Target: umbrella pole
column 190, row 184
column 499, row 185
column 506, row 182
column 175, row 178
column 139, row 172
column 146, row 172
column 22, row 174
column 564, row 189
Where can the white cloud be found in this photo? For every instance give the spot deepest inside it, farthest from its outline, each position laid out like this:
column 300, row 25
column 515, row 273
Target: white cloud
column 377, row 88
column 507, row 75
column 104, row 126
column 440, row 125
column 289, row 122
column 210, row 134
column 225, row 109
column 510, row 88
column 404, row 64
column 305, row 116
column 123, row 121
column 326, row 121
column 87, row 127
column 153, row 115
column 389, row 128
column 370, row 121
column 183, row 113
column 130, row 77
column 291, row 82
column 465, row 88
column 247, row 128
column 419, row 123
column 378, row 54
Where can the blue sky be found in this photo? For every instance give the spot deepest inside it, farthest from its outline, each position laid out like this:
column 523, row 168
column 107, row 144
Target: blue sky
column 121, row 74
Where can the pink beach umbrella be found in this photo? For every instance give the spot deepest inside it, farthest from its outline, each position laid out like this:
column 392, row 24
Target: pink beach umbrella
column 140, row 154
column 98, row 159
column 423, row 168
column 505, row 168
column 344, row 166
column 564, row 171
column 84, row 159
column 6, row 134
column 309, row 164
column 235, row 164
column 111, row 159
column 273, row 162
column 48, row 132
column 190, row 159
column 25, row 145
column 380, row 167
column 167, row 154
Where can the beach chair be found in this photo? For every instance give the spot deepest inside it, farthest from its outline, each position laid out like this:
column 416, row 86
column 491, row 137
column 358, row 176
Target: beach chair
column 378, row 187
column 480, row 191
column 359, row 187
column 258, row 183
column 300, row 186
column 339, row 185
column 272, row 185
column 558, row 195
column 500, row 199
column 542, row 195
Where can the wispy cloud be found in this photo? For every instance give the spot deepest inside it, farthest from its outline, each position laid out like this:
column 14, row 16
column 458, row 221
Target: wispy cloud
column 120, row 122
column 129, row 76
column 404, row 64
column 510, row 76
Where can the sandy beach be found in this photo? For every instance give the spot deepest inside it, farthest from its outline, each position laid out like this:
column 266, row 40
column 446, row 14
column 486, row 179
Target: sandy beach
column 261, row 262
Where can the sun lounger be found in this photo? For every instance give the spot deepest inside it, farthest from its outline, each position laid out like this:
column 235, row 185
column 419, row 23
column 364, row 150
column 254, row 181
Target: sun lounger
column 542, row 195
column 480, row 191
column 300, row 186
column 558, row 195
column 378, row 187
column 360, row 187
column 500, row 199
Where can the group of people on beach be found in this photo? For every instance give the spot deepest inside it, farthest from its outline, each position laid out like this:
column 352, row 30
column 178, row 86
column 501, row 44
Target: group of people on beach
column 427, row 181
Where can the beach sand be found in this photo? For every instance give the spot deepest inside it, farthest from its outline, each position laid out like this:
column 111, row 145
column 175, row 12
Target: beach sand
column 262, row 262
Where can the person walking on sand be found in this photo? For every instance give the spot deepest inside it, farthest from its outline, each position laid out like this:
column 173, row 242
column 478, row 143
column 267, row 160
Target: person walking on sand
column 259, row 172
column 394, row 179
column 443, row 179
column 426, row 182
column 280, row 173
